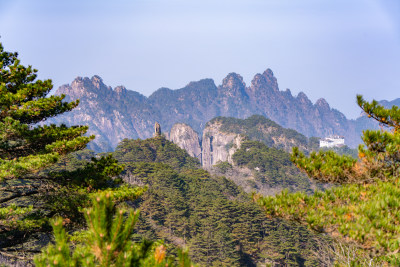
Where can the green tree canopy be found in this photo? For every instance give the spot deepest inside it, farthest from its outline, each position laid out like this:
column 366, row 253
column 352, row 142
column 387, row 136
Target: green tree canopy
column 30, row 196
column 26, row 146
column 364, row 208
column 107, row 241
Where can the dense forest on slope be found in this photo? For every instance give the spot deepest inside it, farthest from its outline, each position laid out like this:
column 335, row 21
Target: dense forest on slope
column 154, row 150
column 271, row 166
column 185, row 205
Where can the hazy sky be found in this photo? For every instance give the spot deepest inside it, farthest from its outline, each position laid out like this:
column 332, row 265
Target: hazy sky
column 326, row 48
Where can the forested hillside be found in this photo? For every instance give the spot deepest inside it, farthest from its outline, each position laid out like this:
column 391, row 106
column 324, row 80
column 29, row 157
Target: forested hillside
column 187, row 206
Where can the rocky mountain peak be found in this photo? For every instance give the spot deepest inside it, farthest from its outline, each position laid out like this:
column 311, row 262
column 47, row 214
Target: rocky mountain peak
column 270, row 79
column 233, row 85
column 97, row 81
column 78, row 80
column 303, row 99
column 120, row 90
column 288, row 92
column 85, row 87
column 269, row 74
column 232, row 80
column 206, row 83
column 265, row 81
column 77, row 89
column 322, row 104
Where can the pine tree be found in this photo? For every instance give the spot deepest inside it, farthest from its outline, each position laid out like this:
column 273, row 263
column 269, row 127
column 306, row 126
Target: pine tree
column 107, row 241
column 365, row 207
column 29, row 196
column 25, row 146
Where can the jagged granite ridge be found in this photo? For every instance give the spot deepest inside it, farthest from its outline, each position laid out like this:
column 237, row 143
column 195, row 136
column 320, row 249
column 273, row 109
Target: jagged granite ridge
column 115, row 114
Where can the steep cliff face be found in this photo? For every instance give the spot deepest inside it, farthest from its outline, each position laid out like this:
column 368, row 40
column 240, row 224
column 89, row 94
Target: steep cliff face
column 215, row 145
column 114, row 114
column 227, row 150
column 223, row 136
column 218, row 145
column 186, row 138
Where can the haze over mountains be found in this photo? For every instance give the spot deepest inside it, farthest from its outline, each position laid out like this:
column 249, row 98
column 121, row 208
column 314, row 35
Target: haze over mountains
column 115, row 114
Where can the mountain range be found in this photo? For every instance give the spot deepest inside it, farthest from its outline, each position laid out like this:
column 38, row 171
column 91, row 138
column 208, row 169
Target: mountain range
column 117, row 113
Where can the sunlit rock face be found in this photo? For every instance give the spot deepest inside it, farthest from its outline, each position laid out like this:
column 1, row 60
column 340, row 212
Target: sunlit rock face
column 218, row 146
column 215, row 145
column 186, row 138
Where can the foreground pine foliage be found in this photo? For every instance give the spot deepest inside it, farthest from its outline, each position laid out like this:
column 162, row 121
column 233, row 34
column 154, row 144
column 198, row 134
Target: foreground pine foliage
column 24, row 146
column 365, row 208
column 27, row 147
column 107, row 241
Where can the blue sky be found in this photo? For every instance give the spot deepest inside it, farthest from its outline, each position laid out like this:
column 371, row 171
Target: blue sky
column 331, row 49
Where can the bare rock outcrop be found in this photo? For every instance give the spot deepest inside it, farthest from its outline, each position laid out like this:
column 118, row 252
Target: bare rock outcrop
column 186, row 138
column 218, row 146
column 157, row 130
column 215, row 145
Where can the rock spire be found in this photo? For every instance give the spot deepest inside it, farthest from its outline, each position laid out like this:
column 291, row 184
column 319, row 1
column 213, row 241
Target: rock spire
column 157, row 129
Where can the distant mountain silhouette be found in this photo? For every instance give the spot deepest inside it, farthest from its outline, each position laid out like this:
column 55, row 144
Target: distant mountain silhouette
column 115, row 114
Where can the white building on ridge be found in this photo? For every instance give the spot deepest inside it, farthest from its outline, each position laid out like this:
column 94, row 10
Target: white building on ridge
column 332, row 141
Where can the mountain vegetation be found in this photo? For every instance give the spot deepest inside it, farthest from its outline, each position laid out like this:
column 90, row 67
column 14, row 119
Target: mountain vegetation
column 271, row 166
column 154, row 150
column 26, row 148
column 363, row 210
column 107, row 241
column 187, row 206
